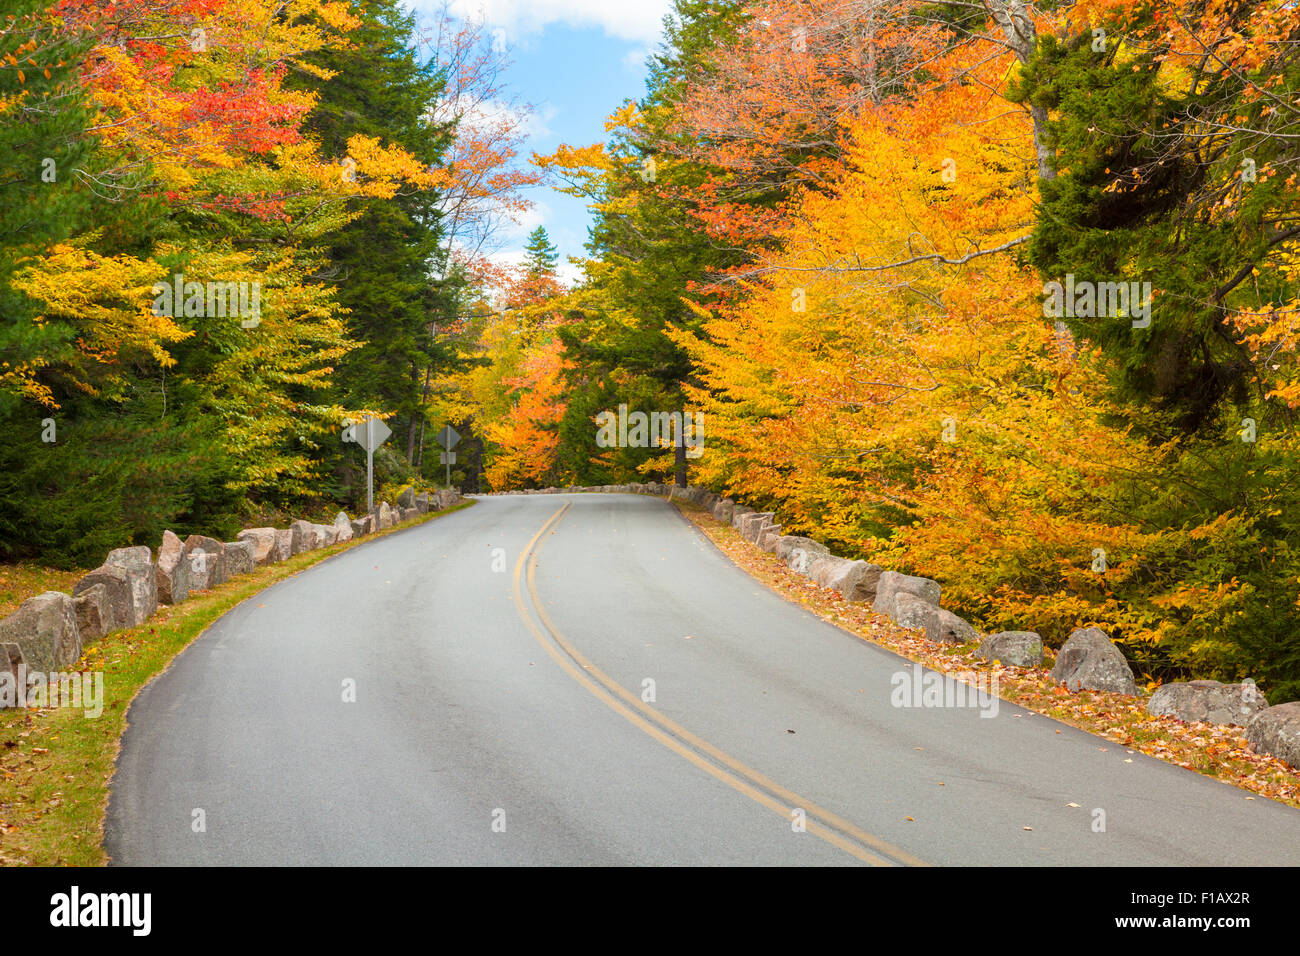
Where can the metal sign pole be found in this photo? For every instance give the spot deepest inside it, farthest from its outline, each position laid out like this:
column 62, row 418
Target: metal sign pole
column 447, row 438
column 370, row 466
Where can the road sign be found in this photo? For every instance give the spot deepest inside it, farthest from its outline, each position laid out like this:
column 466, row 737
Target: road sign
column 369, row 433
column 447, row 438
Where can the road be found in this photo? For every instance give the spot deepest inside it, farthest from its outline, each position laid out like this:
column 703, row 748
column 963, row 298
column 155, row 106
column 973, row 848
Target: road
column 586, row 679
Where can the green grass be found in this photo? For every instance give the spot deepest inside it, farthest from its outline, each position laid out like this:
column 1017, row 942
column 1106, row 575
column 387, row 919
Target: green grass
column 55, row 763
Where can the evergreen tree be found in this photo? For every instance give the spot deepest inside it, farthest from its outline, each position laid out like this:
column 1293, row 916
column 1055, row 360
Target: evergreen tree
column 651, row 250
column 388, row 263
column 1147, row 171
column 540, row 255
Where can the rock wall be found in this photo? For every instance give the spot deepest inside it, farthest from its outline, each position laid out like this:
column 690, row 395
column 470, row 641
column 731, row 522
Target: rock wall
column 48, row 632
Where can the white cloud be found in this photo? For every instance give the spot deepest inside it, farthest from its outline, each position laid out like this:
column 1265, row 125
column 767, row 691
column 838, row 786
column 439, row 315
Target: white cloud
column 528, row 220
column 638, row 21
column 635, row 59
column 569, row 274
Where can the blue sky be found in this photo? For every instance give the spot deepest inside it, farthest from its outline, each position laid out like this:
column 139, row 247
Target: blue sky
column 575, row 61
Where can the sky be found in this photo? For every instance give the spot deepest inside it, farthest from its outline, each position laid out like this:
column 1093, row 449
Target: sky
column 575, row 61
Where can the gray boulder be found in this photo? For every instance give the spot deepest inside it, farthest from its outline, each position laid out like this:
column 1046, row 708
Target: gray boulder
column 891, row 584
column 284, row 543
column 854, row 580
column 799, row 552
column 207, row 560
column 422, row 502
column 769, row 536
column 944, row 627
column 722, row 510
column 342, row 527
column 1089, row 661
column 752, row 525
column 1276, row 731
column 94, row 615
column 11, row 672
column 172, row 572
column 363, row 526
column 138, row 564
column 266, row 545
column 1208, row 701
column 738, row 515
column 940, row 625
column 1014, row 648
column 406, row 498
column 241, row 557
column 911, row 611
column 306, row 535
column 300, row 536
column 116, row 601
column 45, row 629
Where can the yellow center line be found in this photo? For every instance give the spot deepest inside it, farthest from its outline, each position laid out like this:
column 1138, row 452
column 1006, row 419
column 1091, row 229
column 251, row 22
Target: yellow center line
column 743, row 779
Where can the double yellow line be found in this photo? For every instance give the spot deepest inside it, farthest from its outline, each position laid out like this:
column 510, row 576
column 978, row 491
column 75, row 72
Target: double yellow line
column 820, row 822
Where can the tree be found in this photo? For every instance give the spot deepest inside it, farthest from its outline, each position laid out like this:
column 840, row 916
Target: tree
column 646, row 252
column 1174, row 126
column 540, row 256
column 387, row 259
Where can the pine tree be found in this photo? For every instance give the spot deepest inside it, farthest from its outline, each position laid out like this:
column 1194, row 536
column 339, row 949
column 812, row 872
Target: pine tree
column 540, row 256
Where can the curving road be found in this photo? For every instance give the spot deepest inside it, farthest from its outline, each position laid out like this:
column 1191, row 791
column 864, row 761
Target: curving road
column 500, row 656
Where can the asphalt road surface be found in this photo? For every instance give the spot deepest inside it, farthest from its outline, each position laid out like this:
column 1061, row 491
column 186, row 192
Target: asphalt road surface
column 585, row 679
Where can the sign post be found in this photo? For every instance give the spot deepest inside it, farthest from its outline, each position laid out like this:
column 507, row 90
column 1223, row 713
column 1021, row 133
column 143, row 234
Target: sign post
column 369, row 434
column 447, row 438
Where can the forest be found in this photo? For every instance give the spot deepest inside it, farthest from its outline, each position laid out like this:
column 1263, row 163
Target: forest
column 1000, row 293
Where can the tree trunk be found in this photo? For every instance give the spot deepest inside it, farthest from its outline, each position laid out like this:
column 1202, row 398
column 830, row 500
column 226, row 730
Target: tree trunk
column 1019, row 32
